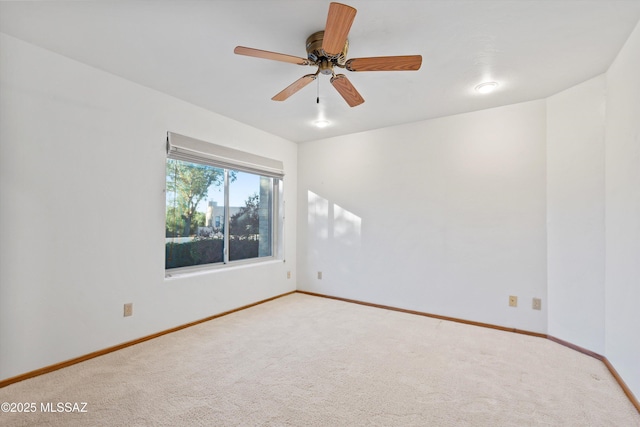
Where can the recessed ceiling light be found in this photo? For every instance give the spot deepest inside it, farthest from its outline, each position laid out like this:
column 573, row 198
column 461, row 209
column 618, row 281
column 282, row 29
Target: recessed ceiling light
column 486, row 87
column 321, row 123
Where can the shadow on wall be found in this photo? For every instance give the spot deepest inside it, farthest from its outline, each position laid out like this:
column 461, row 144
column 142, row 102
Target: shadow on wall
column 334, row 241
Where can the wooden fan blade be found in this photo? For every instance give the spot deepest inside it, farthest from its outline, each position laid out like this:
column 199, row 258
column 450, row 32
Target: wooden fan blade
column 294, row 87
column 385, row 63
column 257, row 53
column 337, row 29
column 346, row 89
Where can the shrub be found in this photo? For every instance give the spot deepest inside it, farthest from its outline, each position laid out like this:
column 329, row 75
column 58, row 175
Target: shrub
column 207, row 251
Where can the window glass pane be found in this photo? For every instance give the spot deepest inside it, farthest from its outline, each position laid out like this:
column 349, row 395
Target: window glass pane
column 194, row 232
column 250, row 216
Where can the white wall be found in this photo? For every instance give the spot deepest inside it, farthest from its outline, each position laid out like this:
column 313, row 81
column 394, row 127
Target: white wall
column 575, row 214
column 82, row 211
column 623, row 213
column 445, row 216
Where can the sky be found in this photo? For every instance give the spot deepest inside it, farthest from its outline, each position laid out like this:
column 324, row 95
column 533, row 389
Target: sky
column 245, row 185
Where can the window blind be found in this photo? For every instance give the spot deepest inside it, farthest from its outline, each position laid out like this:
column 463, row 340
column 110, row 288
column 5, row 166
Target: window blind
column 193, row 150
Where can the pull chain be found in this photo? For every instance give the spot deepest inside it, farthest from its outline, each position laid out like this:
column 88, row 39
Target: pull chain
column 318, row 92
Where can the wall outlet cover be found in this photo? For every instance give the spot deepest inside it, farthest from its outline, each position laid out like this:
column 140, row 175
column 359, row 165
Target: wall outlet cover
column 128, row 309
column 537, row 304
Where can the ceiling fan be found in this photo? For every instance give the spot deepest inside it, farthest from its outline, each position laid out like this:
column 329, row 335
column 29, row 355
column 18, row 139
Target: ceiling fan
column 328, row 49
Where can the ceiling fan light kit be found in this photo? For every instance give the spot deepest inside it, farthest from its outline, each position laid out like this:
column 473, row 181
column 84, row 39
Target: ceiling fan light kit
column 328, row 49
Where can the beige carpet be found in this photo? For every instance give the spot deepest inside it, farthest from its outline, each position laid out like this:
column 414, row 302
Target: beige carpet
column 307, row 361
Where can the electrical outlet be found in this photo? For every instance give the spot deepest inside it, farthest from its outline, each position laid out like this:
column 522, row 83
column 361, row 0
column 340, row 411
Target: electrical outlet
column 288, row 275
column 128, row 309
column 319, row 275
column 537, row 304
column 513, row 301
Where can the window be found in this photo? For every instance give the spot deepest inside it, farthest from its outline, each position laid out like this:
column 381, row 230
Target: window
column 222, row 205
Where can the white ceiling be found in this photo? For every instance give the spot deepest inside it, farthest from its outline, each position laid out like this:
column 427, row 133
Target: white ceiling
column 185, row 49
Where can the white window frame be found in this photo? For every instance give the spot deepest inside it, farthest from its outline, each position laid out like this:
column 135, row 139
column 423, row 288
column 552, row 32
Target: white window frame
column 180, row 147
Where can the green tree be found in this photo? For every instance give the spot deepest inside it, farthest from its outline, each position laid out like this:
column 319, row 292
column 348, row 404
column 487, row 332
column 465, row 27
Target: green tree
column 246, row 221
column 174, row 222
column 189, row 184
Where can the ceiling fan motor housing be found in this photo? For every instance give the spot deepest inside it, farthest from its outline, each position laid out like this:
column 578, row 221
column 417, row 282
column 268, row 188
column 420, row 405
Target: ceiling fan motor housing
column 316, row 54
